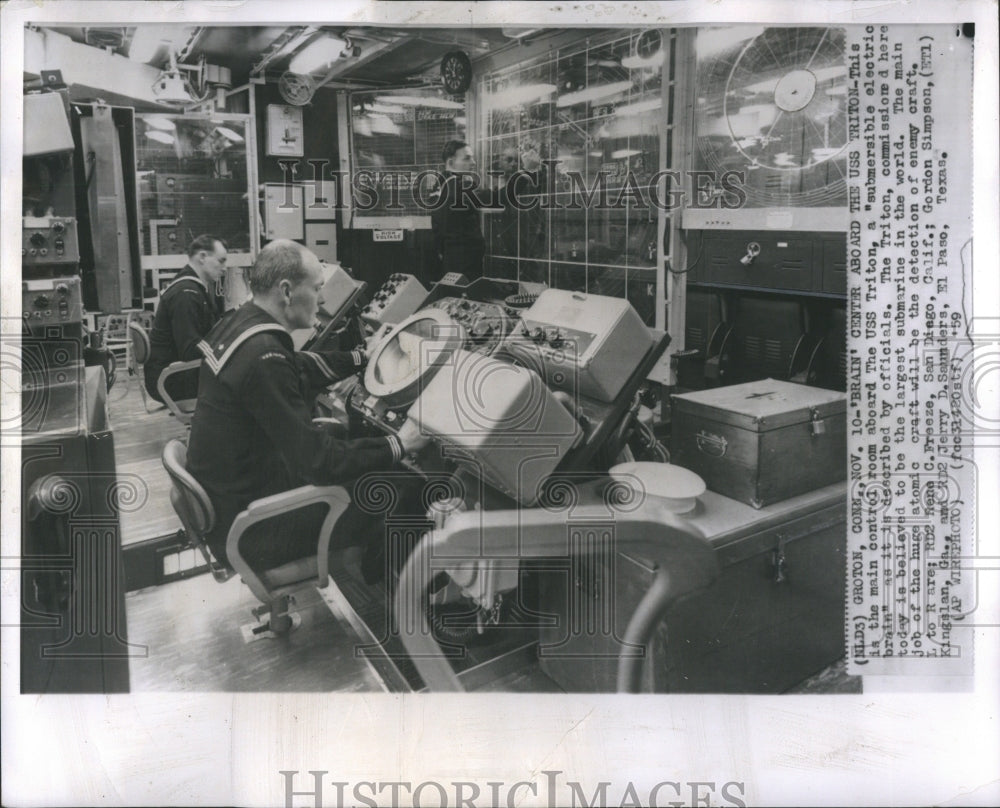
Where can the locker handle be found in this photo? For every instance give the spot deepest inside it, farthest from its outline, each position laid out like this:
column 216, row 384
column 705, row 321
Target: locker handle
column 712, row 445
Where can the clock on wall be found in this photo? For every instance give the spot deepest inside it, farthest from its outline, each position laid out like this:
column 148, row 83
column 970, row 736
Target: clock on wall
column 285, row 137
column 774, row 107
column 649, row 44
column 456, row 72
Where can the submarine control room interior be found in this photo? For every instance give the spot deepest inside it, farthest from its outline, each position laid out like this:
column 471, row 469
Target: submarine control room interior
column 543, row 344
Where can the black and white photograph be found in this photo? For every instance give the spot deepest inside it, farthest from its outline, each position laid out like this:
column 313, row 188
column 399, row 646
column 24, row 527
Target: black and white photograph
column 482, row 404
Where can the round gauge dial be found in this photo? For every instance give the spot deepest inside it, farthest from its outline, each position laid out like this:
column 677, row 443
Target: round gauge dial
column 774, row 108
column 456, row 72
column 785, row 98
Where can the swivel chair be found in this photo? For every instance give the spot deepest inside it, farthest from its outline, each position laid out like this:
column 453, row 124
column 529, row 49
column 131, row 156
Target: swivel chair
column 138, row 354
column 272, row 587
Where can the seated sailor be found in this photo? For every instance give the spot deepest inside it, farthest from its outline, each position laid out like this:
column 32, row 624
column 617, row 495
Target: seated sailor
column 253, row 435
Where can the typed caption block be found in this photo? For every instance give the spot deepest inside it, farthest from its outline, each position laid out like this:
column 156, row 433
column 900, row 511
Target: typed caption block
column 911, row 429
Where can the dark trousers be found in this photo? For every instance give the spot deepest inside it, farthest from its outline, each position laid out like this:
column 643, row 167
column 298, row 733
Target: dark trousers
column 289, row 537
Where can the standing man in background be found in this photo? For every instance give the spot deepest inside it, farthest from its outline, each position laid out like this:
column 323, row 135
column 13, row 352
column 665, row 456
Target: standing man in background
column 458, row 236
column 187, row 311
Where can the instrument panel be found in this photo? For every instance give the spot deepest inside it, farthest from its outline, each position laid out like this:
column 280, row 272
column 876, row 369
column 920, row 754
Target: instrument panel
column 485, row 324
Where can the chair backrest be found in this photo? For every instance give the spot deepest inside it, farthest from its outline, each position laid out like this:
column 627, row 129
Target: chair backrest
column 703, row 315
column 186, row 495
column 834, row 364
column 139, row 340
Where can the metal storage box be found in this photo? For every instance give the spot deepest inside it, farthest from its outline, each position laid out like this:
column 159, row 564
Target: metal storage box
column 773, row 618
column 761, row 442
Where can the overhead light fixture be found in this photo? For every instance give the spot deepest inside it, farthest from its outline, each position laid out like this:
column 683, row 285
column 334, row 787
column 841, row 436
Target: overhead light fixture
column 622, row 154
column 514, row 96
column 419, row 101
column 160, row 137
column 169, row 88
column 318, row 53
column 593, row 93
column 639, row 107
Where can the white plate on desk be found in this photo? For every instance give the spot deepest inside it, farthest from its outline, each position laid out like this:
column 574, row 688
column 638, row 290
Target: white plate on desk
column 676, row 487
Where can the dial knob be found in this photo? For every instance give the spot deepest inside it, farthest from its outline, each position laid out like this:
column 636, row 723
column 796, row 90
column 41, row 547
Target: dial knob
column 37, row 239
column 58, row 227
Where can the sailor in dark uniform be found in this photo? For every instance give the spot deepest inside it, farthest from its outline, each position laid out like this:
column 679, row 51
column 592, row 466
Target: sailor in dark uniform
column 252, row 434
column 458, row 236
column 187, row 310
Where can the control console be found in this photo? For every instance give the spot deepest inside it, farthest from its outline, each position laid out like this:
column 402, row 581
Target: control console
column 49, row 240
column 485, row 324
column 396, row 299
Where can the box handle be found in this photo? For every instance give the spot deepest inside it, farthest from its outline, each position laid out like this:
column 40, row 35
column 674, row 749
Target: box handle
column 712, row 445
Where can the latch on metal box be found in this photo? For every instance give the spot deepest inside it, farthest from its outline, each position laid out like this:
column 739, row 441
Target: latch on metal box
column 817, row 425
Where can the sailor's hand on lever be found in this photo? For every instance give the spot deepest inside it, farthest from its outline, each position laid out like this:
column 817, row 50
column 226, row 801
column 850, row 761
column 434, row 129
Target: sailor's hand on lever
column 413, row 441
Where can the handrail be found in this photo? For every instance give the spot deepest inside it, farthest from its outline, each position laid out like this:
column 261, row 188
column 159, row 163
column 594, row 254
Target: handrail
column 686, row 562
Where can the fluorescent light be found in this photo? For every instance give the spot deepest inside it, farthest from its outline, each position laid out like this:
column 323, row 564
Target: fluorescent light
column 648, row 105
column 318, row 53
column 513, row 96
column 160, row 122
column 638, row 62
column 382, row 125
column 596, row 153
column 161, row 137
column 593, row 93
column 386, row 109
column 419, row 101
column 229, row 134
column 622, row 154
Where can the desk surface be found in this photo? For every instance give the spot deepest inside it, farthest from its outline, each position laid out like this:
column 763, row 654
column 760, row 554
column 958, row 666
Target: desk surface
column 724, row 520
